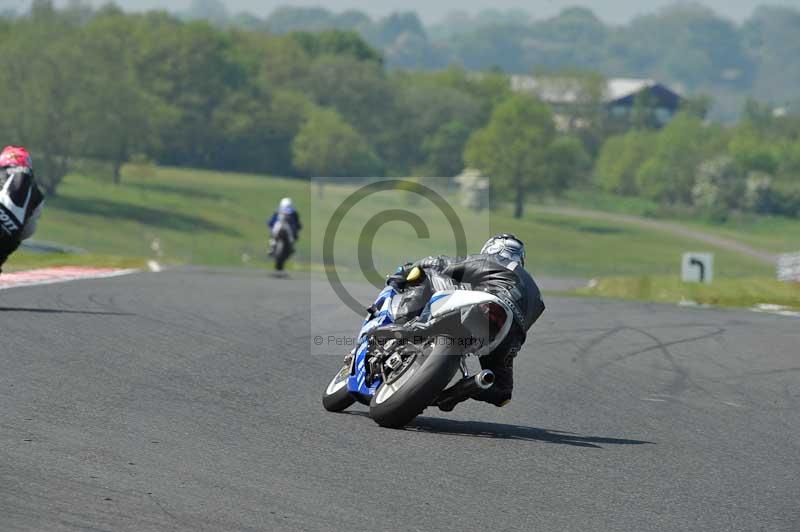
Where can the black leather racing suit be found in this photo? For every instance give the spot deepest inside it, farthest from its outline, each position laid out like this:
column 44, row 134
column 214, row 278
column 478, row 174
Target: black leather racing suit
column 511, row 283
column 20, row 207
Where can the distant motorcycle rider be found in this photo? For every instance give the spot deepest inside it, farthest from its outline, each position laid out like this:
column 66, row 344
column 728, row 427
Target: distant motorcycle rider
column 20, row 200
column 499, row 270
column 286, row 211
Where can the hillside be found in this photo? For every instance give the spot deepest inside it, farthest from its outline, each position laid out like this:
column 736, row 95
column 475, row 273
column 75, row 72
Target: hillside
column 202, row 217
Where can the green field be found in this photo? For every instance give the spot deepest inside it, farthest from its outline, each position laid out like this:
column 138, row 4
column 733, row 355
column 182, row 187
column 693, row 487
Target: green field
column 212, row 218
column 770, row 233
column 744, row 292
column 197, row 216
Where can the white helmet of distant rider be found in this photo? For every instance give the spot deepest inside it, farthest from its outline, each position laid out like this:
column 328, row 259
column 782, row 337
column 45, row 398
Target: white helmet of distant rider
column 286, row 204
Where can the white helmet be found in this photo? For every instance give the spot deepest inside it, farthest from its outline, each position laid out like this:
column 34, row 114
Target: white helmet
column 507, row 246
column 286, row 204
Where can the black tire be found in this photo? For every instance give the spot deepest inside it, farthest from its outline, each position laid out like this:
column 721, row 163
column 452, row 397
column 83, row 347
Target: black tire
column 340, row 398
column 280, row 254
column 431, row 376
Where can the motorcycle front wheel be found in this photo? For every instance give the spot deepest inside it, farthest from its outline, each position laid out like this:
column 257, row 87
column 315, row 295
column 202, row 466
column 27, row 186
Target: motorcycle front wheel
column 400, row 400
column 336, row 397
column 280, row 254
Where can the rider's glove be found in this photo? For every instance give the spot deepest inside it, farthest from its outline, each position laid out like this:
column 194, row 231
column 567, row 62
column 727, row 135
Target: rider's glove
column 397, row 281
column 405, row 275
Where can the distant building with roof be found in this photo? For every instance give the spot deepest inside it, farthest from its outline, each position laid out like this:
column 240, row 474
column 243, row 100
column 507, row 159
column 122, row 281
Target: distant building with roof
column 619, row 97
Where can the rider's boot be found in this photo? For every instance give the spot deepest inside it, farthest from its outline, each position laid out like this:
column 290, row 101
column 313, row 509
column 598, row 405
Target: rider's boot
column 501, row 363
column 466, row 388
column 503, row 367
column 449, row 403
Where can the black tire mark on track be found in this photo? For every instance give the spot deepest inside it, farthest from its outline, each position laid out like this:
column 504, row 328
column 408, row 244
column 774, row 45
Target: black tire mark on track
column 659, row 345
column 682, row 380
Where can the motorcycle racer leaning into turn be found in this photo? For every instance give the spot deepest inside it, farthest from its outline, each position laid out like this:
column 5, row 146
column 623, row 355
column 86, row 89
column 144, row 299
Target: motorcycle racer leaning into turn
column 499, row 270
column 20, row 200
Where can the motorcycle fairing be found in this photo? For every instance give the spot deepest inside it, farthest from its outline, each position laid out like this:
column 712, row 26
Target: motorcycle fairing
column 441, row 306
column 447, row 302
column 383, row 314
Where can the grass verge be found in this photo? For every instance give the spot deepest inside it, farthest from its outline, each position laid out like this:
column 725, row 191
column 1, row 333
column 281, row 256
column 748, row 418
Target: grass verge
column 771, row 233
column 191, row 216
column 725, row 292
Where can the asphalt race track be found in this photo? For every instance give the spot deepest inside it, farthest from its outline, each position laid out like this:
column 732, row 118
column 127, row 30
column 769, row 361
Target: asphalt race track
column 189, row 401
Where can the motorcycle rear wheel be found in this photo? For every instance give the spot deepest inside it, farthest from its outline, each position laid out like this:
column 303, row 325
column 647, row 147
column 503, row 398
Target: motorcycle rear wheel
column 395, row 404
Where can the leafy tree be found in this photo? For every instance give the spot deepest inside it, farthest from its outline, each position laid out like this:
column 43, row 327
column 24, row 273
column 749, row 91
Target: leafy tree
column 698, row 106
column 361, row 93
column 513, row 148
column 271, row 62
column 772, row 36
column 246, row 21
column 620, row 159
column 337, row 42
column 414, row 51
column 492, row 46
column 720, row 186
column 47, row 89
column 790, row 161
column 327, row 146
column 685, row 45
column 287, row 19
column 190, row 67
column 242, row 122
column 753, row 151
column 428, row 107
column 488, row 89
column 443, row 149
column 757, row 115
column 353, row 20
column 123, row 116
column 572, row 39
column 388, row 30
column 686, row 42
column 779, row 198
column 288, row 110
column 566, row 164
column 669, row 174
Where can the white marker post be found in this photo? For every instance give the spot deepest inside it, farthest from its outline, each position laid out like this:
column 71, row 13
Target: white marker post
column 789, row 267
column 697, row 268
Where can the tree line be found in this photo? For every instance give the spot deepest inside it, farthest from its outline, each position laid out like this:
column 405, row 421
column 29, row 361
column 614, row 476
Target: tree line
column 709, row 169
column 85, row 84
column 686, row 45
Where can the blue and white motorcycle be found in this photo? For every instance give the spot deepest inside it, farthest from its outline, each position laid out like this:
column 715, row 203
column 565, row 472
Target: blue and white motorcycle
column 411, row 345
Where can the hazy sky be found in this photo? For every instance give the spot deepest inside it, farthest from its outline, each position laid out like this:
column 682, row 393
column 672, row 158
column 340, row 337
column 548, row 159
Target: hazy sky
column 433, row 10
